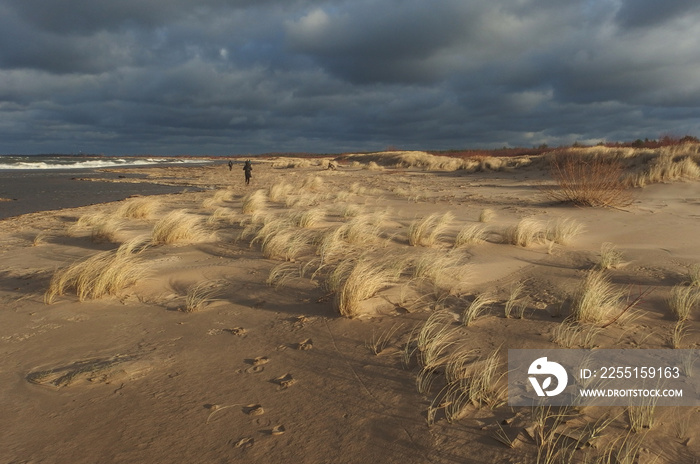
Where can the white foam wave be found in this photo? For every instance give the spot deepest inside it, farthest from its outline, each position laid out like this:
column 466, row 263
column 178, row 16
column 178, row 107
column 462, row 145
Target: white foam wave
column 92, row 164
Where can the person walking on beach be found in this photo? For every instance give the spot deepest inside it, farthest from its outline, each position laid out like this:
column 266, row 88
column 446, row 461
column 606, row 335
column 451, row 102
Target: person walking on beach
column 248, row 168
column 230, row 165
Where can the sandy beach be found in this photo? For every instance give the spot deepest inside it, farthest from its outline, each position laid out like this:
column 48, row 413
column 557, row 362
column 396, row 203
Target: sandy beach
column 297, row 319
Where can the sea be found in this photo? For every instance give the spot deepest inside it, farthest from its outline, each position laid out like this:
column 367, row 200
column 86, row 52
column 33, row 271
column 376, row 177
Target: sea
column 33, row 183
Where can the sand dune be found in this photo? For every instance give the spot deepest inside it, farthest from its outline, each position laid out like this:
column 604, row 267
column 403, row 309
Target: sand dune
column 284, row 323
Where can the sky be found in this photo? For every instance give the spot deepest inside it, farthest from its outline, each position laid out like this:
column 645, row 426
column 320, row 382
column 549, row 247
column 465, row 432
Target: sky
column 222, row 77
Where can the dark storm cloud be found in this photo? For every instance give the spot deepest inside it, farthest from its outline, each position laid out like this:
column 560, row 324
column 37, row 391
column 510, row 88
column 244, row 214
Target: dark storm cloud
column 649, row 13
column 218, row 76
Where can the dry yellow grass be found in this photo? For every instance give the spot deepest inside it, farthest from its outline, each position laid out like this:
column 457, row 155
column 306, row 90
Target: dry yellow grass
column 102, row 274
column 178, row 227
column 355, row 280
column 429, row 230
column 470, row 235
column 595, row 298
column 139, row 208
column 254, row 201
column 525, row 233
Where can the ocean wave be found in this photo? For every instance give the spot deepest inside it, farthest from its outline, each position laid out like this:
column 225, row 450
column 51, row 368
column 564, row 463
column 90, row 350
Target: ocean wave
column 26, row 162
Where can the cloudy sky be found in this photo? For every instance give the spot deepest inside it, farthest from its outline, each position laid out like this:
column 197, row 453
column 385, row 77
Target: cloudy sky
column 253, row 76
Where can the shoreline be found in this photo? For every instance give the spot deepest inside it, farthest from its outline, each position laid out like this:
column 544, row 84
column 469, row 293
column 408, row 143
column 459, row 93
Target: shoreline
column 31, row 191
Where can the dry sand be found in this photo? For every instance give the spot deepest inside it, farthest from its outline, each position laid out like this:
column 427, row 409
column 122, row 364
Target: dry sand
column 273, row 374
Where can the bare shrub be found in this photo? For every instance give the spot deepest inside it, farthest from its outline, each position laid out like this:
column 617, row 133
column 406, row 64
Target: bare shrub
column 588, row 180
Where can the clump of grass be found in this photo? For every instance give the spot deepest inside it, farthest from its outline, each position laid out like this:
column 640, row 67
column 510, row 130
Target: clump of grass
column 694, row 275
column 470, row 235
column 570, row 334
column 355, row 280
column 379, row 342
column 563, row 230
column 312, row 184
column 436, row 266
column 477, row 308
column 428, row 231
column 222, row 215
column 595, row 298
column 469, row 383
column 307, row 218
column 102, row 274
column 525, row 233
column 610, row 256
column 107, row 229
column 40, row 238
column 219, row 197
column 278, row 193
column 682, row 300
column 178, row 227
column 677, row 335
column 254, row 201
column 286, row 244
column 362, row 230
column 434, row 338
column 139, row 208
column 487, row 215
column 515, row 291
column 588, row 180
column 198, row 296
column 642, row 417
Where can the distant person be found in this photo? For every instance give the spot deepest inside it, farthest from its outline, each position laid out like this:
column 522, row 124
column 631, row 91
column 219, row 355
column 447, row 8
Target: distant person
column 230, row 165
column 248, row 169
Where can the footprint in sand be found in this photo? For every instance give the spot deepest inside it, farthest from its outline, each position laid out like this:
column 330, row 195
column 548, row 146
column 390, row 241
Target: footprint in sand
column 254, row 370
column 277, row 430
column 305, row 345
column 240, row 331
column 98, row 370
column 254, row 410
column 284, row 381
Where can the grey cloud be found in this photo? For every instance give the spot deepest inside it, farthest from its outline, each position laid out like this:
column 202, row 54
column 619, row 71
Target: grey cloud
column 649, row 13
column 220, row 77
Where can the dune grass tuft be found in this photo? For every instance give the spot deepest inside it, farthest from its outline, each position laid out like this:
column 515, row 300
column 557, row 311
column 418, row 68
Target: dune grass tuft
column 694, row 275
column 355, row 280
column 198, row 296
column 682, row 300
column 487, row 215
column 428, row 231
column 477, row 308
column 525, row 233
column 278, row 193
column 102, row 274
column 178, row 227
column 107, row 230
column 610, row 256
column 470, row 235
column 139, row 208
column 254, row 201
column 595, row 298
column 563, row 230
